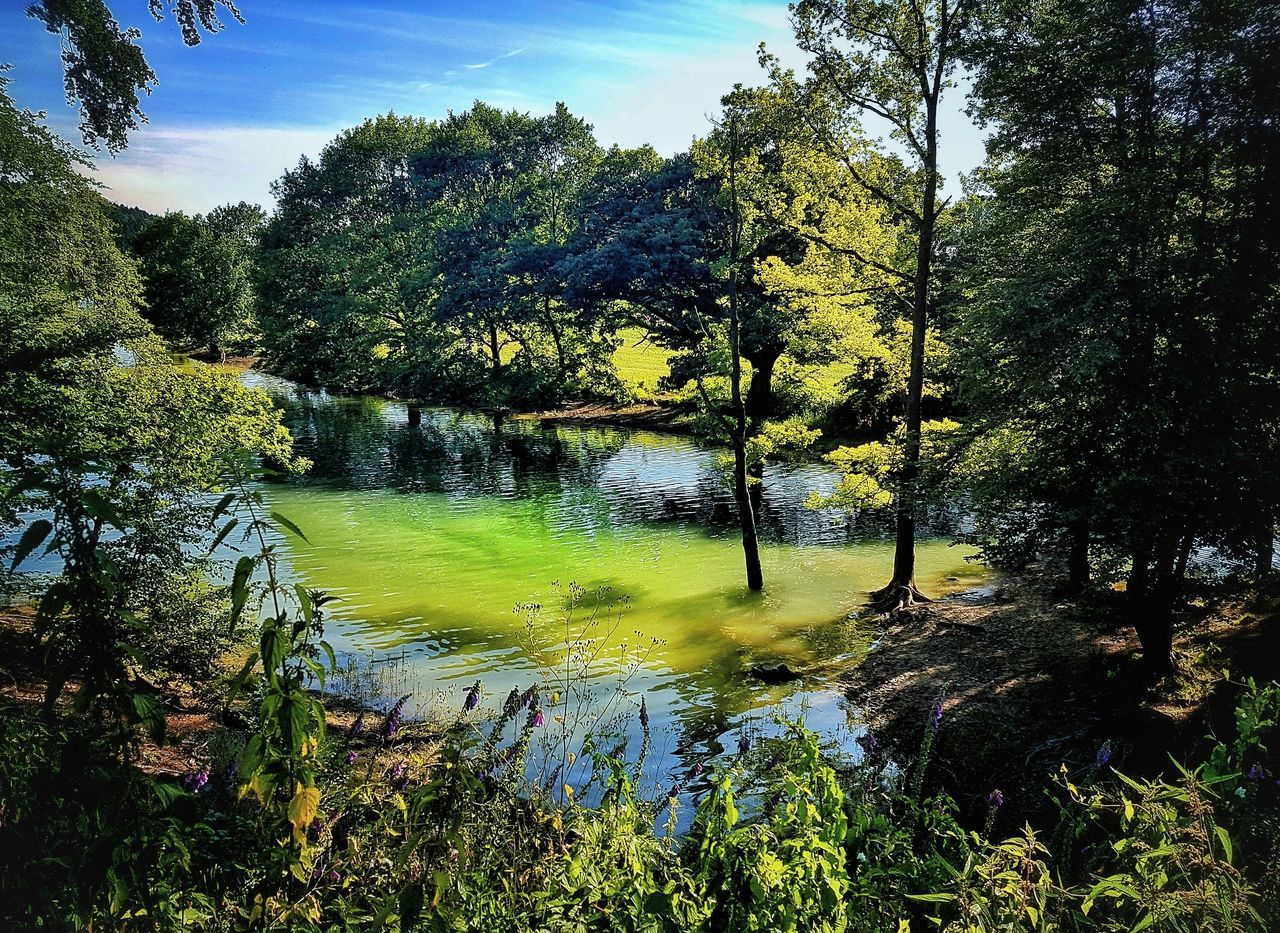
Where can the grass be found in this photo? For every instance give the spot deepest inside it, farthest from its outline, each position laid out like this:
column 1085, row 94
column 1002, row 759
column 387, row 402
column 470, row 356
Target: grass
column 640, row 363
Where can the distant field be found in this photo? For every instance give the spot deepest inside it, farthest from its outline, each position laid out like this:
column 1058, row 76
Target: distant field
column 639, row 362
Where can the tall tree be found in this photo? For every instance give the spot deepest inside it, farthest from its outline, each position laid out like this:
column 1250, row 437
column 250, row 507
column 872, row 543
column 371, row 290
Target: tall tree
column 1120, row 340
column 891, row 61
column 200, row 277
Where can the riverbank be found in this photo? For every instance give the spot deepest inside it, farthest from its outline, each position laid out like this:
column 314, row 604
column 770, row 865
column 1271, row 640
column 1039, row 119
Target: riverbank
column 647, row 416
column 1030, row 683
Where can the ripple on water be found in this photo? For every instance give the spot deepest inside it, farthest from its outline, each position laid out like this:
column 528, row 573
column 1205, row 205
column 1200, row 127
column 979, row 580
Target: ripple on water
column 430, row 535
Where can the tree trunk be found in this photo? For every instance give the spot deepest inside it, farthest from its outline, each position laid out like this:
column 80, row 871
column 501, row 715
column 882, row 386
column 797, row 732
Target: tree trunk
column 901, row 591
column 746, row 514
column 759, row 402
column 1078, row 571
column 415, row 416
column 1264, row 556
column 1150, row 592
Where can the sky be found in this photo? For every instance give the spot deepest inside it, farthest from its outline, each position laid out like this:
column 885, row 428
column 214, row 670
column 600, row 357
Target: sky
column 232, row 114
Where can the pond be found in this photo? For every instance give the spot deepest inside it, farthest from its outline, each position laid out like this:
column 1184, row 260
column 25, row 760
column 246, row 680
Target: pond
column 451, row 547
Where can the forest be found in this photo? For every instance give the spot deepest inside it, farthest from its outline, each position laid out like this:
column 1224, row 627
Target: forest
column 920, row 524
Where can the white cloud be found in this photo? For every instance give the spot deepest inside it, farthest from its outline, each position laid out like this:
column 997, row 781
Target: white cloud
column 197, row 168
column 492, row 60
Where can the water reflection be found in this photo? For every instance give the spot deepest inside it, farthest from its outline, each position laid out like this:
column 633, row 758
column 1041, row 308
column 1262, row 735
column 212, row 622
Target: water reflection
column 431, row 532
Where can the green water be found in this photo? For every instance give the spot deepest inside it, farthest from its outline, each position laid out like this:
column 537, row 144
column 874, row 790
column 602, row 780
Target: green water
column 436, row 537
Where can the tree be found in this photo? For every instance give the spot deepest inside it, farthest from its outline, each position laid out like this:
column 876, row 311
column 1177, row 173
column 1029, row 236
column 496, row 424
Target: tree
column 104, row 70
column 890, row 60
column 200, row 276
column 1119, row 341
column 335, row 255
column 107, row 450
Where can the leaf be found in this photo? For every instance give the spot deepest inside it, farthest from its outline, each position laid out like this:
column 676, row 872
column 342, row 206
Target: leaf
column 329, row 655
column 286, row 523
column 237, row 682
column 410, row 905
column 934, row 898
column 222, row 535
column 240, row 587
column 302, row 811
column 221, row 507
column 304, row 601
column 31, row 539
column 1225, row 838
column 97, row 505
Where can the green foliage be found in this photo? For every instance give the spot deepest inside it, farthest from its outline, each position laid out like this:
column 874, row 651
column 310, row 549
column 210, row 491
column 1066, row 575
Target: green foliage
column 199, row 277
column 1119, row 290
column 103, row 68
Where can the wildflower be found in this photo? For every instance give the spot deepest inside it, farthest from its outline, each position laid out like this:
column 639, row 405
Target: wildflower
column 744, row 744
column 869, row 742
column 697, row 769
column 394, row 718
column 335, row 875
column 357, row 728
column 473, row 697
column 1255, row 773
column 511, row 704
column 676, row 788
column 539, row 719
column 995, row 799
column 195, row 781
column 351, row 757
column 644, row 714
column 935, row 720
column 1104, row 754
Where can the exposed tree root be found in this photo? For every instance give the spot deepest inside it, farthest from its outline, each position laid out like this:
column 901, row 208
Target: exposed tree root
column 897, row 597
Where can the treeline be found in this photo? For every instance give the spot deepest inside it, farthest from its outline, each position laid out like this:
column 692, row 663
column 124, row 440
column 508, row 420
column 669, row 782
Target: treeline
column 1079, row 344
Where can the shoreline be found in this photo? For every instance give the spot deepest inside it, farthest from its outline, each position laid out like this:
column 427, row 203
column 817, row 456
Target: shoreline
column 1030, row 683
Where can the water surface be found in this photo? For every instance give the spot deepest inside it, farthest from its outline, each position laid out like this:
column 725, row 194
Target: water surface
column 441, row 540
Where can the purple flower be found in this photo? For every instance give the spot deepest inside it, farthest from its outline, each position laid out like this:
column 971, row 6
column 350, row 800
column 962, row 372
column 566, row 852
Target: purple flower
column 539, row 719
column 195, row 781
column 351, row 757
column 676, row 788
column 870, row 742
column 473, row 697
column 996, row 799
column 1104, row 754
column 335, row 875
column 644, row 714
column 935, row 720
column 697, row 769
column 1255, row 773
column 357, row 728
column 744, row 744
column 394, row 718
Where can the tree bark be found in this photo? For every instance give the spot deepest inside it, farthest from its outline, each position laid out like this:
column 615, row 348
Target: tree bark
column 1151, row 592
column 1078, row 571
column 901, row 591
column 746, row 513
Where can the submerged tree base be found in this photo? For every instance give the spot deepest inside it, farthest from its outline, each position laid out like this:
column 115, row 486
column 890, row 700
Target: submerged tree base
column 896, row 597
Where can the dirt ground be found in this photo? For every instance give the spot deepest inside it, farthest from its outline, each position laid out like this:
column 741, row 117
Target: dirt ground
column 1029, row 683
column 645, row 416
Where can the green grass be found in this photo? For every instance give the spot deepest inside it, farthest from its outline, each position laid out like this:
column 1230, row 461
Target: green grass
column 640, row 363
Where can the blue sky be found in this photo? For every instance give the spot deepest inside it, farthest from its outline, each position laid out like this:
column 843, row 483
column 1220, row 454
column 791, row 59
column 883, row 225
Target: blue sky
column 230, row 115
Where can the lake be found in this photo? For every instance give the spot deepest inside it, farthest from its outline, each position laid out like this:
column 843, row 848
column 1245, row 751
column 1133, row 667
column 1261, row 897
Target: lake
column 452, row 547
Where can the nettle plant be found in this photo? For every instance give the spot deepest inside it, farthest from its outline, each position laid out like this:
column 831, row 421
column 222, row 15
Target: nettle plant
column 280, row 765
